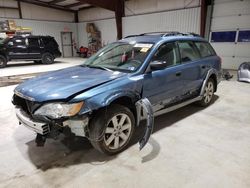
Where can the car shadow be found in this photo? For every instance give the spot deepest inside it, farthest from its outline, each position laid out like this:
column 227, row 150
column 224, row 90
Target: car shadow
column 68, row 151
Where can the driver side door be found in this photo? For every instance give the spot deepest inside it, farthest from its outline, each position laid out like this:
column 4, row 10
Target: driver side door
column 164, row 87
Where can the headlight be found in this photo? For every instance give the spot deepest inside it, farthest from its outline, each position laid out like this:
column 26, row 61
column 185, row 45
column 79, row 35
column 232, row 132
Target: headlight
column 58, row 110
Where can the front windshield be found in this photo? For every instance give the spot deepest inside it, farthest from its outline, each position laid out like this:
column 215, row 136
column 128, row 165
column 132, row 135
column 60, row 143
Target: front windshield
column 120, row 56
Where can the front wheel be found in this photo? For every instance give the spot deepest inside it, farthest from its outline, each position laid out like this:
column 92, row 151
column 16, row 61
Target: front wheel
column 47, row 58
column 3, row 61
column 208, row 93
column 112, row 129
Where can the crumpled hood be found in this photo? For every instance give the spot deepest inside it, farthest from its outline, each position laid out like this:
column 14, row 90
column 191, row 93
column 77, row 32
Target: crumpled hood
column 64, row 83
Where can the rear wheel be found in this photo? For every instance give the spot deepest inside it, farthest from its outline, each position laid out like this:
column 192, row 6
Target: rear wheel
column 3, row 61
column 47, row 58
column 208, row 93
column 112, row 129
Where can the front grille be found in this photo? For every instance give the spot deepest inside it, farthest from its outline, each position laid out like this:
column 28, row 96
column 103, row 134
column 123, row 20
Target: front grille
column 26, row 105
column 22, row 103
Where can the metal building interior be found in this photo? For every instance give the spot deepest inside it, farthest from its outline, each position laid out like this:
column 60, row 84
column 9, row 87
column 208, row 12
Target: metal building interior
column 189, row 147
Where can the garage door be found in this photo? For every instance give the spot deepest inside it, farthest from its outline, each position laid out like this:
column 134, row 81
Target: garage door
column 230, row 31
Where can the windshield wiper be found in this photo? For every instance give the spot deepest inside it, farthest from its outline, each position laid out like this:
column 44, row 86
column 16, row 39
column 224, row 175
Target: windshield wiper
column 98, row 67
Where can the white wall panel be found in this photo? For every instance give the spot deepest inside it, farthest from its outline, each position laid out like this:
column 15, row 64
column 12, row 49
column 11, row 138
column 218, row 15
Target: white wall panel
column 186, row 20
column 9, row 13
column 8, row 3
column 133, row 7
column 34, row 12
column 95, row 14
column 231, row 15
column 107, row 28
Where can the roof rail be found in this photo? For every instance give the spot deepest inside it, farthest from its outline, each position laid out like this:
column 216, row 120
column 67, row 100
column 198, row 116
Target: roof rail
column 165, row 34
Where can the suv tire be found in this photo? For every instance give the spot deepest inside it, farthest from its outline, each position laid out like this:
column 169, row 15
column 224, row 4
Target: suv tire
column 3, row 61
column 47, row 58
column 111, row 129
column 208, row 93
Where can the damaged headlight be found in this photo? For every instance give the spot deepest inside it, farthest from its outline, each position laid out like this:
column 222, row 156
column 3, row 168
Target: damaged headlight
column 58, row 110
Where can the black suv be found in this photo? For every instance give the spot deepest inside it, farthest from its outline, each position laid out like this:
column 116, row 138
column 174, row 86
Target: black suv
column 41, row 49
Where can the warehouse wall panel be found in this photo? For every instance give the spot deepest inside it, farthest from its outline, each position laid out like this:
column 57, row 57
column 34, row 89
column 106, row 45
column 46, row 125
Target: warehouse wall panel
column 231, row 15
column 107, row 28
column 185, row 20
column 95, row 14
column 134, row 7
column 8, row 13
column 35, row 12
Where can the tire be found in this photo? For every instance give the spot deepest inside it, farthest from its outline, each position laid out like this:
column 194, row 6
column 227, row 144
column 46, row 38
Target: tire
column 47, row 58
column 208, row 93
column 3, row 61
column 106, row 135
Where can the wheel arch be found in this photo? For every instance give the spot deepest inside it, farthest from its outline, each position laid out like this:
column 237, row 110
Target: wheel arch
column 214, row 78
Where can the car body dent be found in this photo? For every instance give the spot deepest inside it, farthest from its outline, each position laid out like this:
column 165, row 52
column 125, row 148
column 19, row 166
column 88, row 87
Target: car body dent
column 104, row 95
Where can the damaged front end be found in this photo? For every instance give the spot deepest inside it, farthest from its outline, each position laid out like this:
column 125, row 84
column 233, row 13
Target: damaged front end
column 51, row 118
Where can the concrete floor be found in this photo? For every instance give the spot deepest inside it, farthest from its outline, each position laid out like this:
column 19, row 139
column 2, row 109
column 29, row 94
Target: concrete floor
column 191, row 147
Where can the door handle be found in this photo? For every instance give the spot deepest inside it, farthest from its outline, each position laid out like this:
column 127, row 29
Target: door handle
column 178, row 74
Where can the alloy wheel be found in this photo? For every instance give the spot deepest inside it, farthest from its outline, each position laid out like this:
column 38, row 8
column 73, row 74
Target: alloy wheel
column 118, row 131
column 209, row 90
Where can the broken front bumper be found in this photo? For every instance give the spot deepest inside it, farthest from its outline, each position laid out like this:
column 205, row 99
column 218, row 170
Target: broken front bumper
column 39, row 127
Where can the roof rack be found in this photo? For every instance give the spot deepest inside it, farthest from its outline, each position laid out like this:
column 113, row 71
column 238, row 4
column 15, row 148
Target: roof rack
column 165, row 34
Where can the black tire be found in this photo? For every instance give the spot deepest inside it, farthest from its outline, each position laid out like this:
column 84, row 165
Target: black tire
column 3, row 61
column 47, row 58
column 208, row 93
column 101, row 127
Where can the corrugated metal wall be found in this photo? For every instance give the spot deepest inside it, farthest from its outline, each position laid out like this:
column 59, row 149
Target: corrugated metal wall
column 231, row 15
column 143, row 16
column 185, row 20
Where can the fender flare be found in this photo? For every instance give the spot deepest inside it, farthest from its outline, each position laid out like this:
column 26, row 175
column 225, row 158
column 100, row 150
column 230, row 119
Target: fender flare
column 210, row 72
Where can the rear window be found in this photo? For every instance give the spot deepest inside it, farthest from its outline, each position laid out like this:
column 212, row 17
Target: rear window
column 205, row 49
column 33, row 41
column 188, row 51
column 49, row 41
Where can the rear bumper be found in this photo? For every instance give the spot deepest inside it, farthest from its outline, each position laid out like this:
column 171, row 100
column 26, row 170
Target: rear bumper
column 39, row 127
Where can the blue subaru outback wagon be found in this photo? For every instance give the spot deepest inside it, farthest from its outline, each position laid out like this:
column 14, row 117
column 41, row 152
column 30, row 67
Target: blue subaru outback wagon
column 140, row 76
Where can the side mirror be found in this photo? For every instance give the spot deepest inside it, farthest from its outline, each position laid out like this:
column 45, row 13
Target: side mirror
column 158, row 65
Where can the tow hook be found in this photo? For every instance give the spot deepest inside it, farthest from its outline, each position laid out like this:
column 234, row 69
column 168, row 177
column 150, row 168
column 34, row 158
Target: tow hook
column 145, row 106
column 40, row 140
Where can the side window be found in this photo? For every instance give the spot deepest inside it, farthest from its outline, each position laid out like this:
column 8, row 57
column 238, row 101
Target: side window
column 19, row 41
column 204, row 49
column 33, row 42
column 167, row 52
column 188, row 51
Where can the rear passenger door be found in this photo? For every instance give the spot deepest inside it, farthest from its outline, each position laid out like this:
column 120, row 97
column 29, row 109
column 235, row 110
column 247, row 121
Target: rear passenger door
column 191, row 68
column 34, row 48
